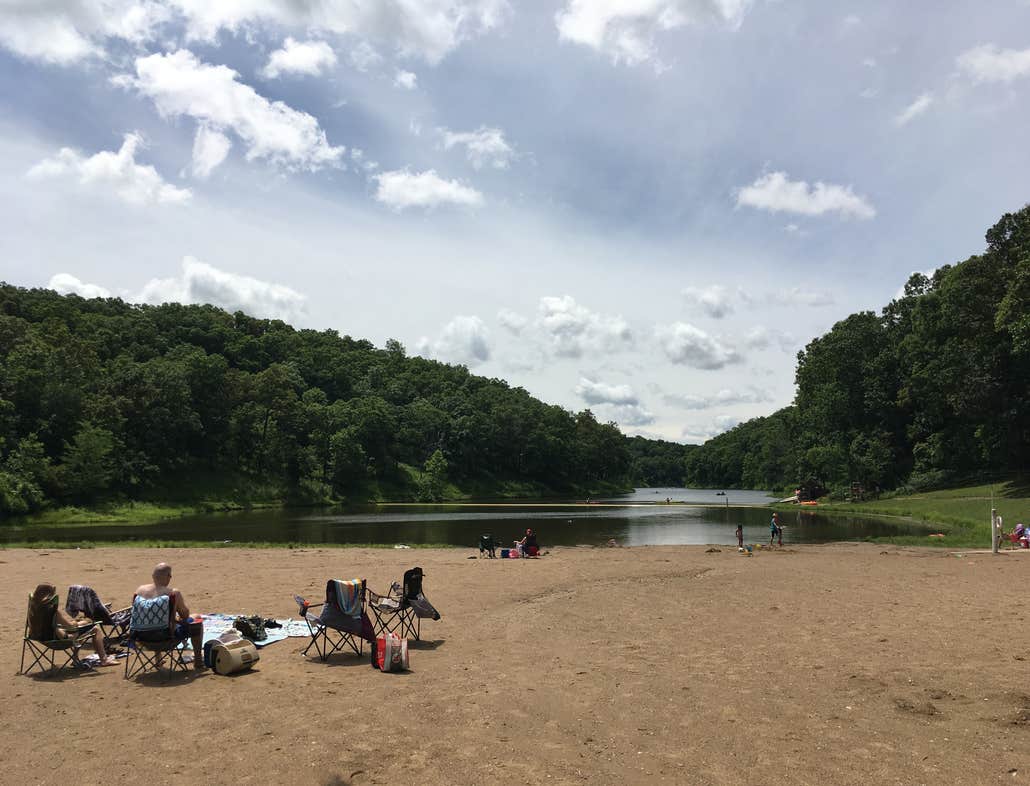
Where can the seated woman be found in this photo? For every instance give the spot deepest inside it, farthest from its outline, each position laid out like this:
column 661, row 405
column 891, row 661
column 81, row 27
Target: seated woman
column 65, row 626
column 528, row 546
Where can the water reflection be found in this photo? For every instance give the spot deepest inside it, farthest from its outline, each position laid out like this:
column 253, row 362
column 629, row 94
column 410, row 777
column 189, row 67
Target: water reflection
column 655, row 524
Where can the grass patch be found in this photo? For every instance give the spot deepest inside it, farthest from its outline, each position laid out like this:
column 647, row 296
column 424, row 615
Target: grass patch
column 963, row 514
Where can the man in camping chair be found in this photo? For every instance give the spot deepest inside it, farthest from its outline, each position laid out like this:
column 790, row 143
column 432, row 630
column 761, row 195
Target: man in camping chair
column 185, row 626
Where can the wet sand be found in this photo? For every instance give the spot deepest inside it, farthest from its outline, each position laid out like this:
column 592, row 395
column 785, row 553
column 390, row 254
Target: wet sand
column 842, row 664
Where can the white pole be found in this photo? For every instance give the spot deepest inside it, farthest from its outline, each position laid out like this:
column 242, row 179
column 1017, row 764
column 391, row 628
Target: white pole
column 994, row 530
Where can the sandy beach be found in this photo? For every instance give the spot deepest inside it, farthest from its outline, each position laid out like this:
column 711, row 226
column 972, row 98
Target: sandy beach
column 843, row 664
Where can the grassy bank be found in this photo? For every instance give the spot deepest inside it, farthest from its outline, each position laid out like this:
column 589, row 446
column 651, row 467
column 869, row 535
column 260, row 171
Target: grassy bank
column 961, row 514
column 147, row 543
column 226, row 495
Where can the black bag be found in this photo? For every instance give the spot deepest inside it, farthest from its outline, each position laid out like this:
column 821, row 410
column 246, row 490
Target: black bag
column 252, row 628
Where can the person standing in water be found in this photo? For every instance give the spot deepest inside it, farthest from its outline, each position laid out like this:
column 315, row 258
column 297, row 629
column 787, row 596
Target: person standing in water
column 774, row 529
column 740, row 536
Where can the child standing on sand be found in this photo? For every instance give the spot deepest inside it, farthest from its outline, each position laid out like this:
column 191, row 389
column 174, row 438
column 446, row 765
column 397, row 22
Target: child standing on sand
column 740, row 536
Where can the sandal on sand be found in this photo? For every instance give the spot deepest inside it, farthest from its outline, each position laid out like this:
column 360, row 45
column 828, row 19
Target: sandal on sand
column 110, row 660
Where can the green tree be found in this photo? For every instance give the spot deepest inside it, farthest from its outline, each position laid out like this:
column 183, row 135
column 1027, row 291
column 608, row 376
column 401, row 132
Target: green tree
column 87, row 465
column 432, row 481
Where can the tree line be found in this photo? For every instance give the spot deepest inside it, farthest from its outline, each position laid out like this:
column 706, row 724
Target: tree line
column 102, row 399
column 933, row 389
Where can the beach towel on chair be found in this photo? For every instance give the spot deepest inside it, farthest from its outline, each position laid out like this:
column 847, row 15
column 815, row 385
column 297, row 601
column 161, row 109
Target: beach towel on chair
column 342, row 622
column 150, row 614
column 85, row 600
column 348, row 596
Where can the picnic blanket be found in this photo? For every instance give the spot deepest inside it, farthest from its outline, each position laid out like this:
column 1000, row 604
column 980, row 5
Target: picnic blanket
column 217, row 624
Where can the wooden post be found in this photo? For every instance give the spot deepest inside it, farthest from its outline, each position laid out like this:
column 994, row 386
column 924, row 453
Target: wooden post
column 994, row 530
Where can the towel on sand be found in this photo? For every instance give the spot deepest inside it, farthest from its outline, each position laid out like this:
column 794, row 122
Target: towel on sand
column 217, row 624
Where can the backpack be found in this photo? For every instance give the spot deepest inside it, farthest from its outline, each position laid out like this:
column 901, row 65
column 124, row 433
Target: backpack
column 252, row 628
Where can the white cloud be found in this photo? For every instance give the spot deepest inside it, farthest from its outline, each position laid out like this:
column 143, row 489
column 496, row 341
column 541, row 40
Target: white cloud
column 625, row 30
column 698, row 433
column 364, row 56
column 463, row 340
column 406, row 80
column 573, row 330
column 401, row 189
column 594, row 392
column 914, row 110
column 869, row 92
column 776, row 193
column 67, row 31
column 763, row 338
column 428, row 29
column 357, row 155
column 869, row 62
column 511, row 321
column 181, row 85
column 989, row 63
column 852, row 20
column 806, row 296
column 484, row 146
column 299, row 57
column 715, row 301
column 210, row 147
column 67, row 284
column 689, row 346
column 202, row 283
column 626, row 414
column 138, row 184
column 723, row 398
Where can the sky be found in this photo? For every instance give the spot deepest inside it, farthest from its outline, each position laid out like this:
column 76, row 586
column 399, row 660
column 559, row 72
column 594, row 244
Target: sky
column 644, row 207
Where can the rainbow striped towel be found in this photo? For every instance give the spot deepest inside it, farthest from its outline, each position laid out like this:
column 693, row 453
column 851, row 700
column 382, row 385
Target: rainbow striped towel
column 348, row 596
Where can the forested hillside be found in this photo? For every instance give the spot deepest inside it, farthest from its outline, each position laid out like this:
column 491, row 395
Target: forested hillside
column 101, row 399
column 655, row 462
column 933, row 388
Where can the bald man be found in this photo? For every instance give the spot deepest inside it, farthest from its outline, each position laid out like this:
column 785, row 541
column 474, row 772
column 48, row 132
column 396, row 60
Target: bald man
column 162, row 576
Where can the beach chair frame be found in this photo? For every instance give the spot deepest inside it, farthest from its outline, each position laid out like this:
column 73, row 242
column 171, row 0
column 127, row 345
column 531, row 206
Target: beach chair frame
column 403, row 619
column 116, row 633
column 148, row 656
column 388, row 618
column 47, row 654
column 326, row 639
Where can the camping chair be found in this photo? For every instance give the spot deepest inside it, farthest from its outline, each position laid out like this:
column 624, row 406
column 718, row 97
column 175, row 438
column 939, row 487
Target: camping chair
column 41, row 640
column 487, row 545
column 402, row 610
column 152, row 637
column 113, row 624
column 343, row 621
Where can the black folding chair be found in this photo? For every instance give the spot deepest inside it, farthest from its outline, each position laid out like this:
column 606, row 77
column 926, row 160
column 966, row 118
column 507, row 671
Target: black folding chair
column 148, row 646
column 336, row 628
column 487, row 545
column 402, row 610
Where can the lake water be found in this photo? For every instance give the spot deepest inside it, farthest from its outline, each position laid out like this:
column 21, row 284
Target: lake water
column 695, row 516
